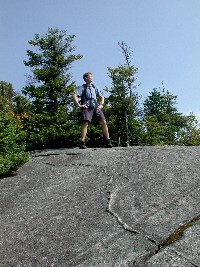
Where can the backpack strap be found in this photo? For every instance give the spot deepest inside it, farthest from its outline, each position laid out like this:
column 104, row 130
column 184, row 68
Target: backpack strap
column 83, row 95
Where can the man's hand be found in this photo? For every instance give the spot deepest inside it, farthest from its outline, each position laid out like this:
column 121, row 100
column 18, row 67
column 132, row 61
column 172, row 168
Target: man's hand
column 83, row 106
column 100, row 106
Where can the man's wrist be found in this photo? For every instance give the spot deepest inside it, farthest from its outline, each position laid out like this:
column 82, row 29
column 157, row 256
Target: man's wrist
column 100, row 106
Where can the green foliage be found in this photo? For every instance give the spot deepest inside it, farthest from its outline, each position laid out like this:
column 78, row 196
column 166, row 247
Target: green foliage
column 12, row 149
column 162, row 121
column 159, row 103
column 122, row 110
column 45, row 117
column 51, row 131
column 6, row 96
column 154, row 134
column 50, row 85
column 94, row 136
column 21, row 106
column 189, row 135
column 49, row 89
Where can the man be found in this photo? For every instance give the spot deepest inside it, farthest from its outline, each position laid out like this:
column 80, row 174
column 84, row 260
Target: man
column 90, row 108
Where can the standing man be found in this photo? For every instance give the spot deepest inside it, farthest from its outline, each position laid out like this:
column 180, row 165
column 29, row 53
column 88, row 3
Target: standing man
column 90, row 108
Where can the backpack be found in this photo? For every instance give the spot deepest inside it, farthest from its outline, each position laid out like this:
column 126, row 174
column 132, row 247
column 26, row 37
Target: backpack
column 84, row 92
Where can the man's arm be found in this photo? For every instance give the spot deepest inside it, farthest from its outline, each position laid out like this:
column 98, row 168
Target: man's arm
column 76, row 101
column 75, row 97
column 101, row 100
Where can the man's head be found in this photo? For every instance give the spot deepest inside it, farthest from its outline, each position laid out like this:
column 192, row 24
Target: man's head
column 87, row 77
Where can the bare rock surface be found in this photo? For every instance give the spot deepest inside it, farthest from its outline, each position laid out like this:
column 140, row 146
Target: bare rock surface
column 136, row 206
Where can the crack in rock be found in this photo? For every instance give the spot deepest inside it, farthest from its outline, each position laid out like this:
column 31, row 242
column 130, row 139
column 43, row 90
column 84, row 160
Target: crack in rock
column 176, row 235
column 125, row 225
column 70, row 164
column 172, row 238
column 53, row 154
column 117, row 186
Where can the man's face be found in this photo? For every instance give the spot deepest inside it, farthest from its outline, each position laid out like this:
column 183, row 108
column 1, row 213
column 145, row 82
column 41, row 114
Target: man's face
column 89, row 78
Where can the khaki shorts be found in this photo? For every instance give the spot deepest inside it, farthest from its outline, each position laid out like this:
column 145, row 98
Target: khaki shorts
column 89, row 113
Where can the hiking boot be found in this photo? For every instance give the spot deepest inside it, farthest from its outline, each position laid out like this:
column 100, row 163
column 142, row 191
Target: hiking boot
column 108, row 144
column 82, row 145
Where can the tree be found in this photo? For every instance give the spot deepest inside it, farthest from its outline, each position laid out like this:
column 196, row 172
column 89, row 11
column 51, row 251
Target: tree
column 7, row 95
column 189, row 135
column 162, row 120
column 21, row 105
column 122, row 110
column 12, row 146
column 50, row 85
column 159, row 102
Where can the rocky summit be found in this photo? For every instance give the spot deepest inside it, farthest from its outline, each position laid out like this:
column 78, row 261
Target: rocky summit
column 116, row 207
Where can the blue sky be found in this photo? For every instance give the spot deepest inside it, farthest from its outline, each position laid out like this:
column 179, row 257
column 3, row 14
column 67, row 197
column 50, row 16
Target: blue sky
column 163, row 34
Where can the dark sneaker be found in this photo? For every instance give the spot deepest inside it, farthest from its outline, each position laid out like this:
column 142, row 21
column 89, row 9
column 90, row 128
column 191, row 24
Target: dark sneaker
column 82, row 145
column 108, row 143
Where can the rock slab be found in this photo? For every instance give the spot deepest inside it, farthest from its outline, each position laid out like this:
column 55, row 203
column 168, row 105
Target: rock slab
column 103, row 207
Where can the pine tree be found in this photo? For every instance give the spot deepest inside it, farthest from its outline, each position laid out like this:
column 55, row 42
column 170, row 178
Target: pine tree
column 162, row 120
column 123, row 104
column 49, row 87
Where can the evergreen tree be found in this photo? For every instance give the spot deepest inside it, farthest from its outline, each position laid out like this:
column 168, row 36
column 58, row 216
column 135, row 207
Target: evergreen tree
column 189, row 135
column 123, row 101
column 49, row 87
column 162, row 120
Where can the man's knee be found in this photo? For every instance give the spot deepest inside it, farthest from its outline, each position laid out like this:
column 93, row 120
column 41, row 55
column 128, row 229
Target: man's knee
column 85, row 123
column 103, row 122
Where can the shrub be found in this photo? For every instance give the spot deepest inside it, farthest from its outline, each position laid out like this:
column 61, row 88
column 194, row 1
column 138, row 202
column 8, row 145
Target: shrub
column 12, row 148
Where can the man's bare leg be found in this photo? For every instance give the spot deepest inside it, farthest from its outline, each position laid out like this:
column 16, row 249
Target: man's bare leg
column 104, row 129
column 106, row 133
column 84, row 133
